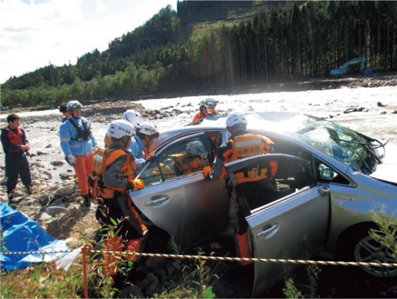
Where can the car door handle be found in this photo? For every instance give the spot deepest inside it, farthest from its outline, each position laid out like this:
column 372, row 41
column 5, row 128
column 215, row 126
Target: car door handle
column 156, row 201
column 269, row 232
column 324, row 191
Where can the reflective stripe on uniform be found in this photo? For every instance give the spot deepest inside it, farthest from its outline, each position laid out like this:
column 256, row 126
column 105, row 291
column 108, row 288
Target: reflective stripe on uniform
column 247, row 143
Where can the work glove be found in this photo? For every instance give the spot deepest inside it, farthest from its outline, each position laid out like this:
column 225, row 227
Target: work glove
column 151, row 158
column 71, row 160
column 136, row 184
column 206, row 171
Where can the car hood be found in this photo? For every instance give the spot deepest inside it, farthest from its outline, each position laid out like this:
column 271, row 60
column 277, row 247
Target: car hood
column 387, row 171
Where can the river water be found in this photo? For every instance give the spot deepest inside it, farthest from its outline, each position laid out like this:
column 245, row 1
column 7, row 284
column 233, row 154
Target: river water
column 378, row 122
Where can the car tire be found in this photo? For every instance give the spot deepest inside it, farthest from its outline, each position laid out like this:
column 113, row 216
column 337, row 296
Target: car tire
column 358, row 246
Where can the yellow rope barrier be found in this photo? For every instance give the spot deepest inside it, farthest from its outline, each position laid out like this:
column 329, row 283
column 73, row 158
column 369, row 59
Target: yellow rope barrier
column 220, row 258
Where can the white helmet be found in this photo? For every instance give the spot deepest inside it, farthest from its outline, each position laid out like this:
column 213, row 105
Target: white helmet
column 120, row 128
column 71, row 105
column 210, row 102
column 235, row 119
column 133, row 117
column 196, row 148
column 148, row 129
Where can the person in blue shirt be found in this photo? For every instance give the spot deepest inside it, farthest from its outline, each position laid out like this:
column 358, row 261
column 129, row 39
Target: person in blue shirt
column 78, row 144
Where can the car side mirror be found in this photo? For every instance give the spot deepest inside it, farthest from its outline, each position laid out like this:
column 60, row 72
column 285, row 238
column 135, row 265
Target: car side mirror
column 326, row 173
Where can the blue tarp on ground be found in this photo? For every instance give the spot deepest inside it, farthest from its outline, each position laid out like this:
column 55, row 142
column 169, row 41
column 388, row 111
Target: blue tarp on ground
column 20, row 233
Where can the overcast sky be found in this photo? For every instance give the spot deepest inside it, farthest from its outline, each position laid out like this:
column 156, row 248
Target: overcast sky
column 35, row 33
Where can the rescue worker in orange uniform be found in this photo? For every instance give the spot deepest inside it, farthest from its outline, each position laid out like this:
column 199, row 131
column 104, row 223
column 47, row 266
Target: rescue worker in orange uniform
column 208, row 109
column 255, row 185
column 194, row 160
column 203, row 113
column 117, row 177
column 211, row 103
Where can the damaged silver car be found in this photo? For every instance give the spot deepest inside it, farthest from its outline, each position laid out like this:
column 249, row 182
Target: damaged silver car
column 330, row 181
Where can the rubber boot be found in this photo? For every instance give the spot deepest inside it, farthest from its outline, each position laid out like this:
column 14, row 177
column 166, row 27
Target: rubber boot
column 243, row 248
column 134, row 246
column 111, row 260
column 29, row 189
column 87, row 202
column 11, row 195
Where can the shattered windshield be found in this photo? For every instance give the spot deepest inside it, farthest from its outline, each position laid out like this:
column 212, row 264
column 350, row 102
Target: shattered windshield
column 345, row 145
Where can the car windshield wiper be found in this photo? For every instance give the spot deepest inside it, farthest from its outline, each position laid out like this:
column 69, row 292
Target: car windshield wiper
column 364, row 162
column 365, row 144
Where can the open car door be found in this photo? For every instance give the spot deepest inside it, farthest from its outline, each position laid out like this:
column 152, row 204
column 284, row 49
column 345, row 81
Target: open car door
column 294, row 225
column 180, row 200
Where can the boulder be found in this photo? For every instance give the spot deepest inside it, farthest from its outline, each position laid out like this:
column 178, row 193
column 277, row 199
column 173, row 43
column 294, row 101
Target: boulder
column 43, row 199
column 72, row 242
column 89, row 233
column 155, row 262
column 64, row 191
column 160, row 273
column 40, row 153
column 31, row 200
column 37, row 164
column 73, row 207
column 47, row 173
column 150, row 279
column 64, row 175
column 44, row 217
column 380, row 104
column 54, row 210
column 131, row 292
column 57, row 163
column 154, row 288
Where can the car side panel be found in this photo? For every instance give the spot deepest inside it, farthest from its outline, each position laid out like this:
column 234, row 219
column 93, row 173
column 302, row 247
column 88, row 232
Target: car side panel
column 298, row 226
column 168, row 214
column 206, row 210
column 355, row 205
column 195, row 209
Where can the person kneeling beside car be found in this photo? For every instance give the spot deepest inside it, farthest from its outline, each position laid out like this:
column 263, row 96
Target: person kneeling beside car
column 115, row 208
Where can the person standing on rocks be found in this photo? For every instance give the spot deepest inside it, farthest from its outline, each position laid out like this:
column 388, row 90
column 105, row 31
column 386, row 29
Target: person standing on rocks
column 64, row 110
column 117, row 173
column 253, row 185
column 16, row 147
column 78, row 145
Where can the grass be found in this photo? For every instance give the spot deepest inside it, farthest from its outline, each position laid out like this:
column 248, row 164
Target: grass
column 228, row 15
column 201, row 30
column 42, row 281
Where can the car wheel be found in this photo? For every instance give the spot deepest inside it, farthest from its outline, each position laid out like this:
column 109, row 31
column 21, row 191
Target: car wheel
column 362, row 248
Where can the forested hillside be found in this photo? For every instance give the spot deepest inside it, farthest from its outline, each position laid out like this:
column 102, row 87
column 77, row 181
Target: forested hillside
column 248, row 42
